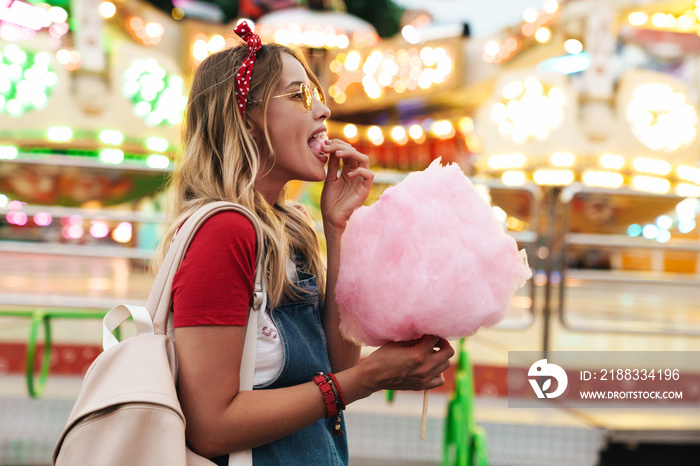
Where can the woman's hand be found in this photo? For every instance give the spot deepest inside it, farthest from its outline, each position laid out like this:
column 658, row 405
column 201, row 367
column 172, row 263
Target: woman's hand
column 411, row 365
column 345, row 191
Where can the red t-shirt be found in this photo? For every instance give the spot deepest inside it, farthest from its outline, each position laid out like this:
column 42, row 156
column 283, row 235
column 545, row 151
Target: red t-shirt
column 214, row 284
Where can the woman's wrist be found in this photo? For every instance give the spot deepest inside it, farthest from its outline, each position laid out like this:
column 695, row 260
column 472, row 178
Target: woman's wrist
column 357, row 382
column 333, row 228
column 333, row 238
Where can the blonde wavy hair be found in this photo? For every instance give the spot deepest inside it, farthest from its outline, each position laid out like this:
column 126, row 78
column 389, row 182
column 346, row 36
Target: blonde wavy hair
column 221, row 162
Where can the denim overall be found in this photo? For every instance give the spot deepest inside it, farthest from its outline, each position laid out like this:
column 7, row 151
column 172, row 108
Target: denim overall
column 299, row 327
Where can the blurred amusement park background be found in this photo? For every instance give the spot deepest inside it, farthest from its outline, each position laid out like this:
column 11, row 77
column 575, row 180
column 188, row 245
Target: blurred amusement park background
column 576, row 119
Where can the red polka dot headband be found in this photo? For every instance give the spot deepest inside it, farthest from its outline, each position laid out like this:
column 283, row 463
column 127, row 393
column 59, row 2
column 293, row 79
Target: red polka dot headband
column 246, row 70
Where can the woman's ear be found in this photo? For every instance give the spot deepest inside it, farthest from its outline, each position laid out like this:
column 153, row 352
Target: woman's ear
column 253, row 130
column 250, row 126
column 252, row 122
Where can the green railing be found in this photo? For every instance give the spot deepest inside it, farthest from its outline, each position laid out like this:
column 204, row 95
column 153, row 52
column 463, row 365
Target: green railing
column 42, row 318
column 464, row 441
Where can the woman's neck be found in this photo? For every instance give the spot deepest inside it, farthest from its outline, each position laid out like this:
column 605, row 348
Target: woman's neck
column 269, row 189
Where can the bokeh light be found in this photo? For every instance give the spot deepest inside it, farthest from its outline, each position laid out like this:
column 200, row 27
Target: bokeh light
column 43, row 219
column 122, row 233
column 156, row 96
column 634, row 230
column 26, row 80
column 99, row 229
column 528, row 110
column 158, row 161
column 107, row 9
column 660, row 117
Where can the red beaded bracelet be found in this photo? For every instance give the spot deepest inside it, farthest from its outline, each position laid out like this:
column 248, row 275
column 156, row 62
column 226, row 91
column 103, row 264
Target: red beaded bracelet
column 341, row 400
column 328, row 394
column 333, row 398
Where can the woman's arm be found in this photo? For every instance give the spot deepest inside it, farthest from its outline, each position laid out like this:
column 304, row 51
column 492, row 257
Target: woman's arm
column 342, row 353
column 220, row 419
column 343, row 192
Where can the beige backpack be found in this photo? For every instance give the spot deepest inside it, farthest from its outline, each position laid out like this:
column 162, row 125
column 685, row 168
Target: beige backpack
column 127, row 412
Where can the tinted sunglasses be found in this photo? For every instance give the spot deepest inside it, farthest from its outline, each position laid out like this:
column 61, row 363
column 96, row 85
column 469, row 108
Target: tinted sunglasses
column 307, row 96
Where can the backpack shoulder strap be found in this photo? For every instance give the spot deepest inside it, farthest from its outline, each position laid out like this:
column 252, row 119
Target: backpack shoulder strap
column 159, row 300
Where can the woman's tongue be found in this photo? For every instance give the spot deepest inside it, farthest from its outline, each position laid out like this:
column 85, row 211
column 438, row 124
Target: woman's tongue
column 316, row 145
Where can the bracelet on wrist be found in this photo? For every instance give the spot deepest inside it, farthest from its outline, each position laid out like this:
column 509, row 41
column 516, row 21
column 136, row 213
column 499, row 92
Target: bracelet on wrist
column 333, row 398
column 341, row 400
column 329, row 396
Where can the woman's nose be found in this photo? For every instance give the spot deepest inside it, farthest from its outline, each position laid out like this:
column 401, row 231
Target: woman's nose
column 321, row 112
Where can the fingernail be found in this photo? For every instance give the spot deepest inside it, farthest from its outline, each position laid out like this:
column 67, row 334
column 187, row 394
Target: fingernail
column 327, row 141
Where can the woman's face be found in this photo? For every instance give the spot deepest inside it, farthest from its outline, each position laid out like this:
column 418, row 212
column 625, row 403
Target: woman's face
column 297, row 134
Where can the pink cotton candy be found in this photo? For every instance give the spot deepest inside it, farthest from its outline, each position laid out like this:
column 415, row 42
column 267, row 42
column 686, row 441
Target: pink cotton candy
column 428, row 258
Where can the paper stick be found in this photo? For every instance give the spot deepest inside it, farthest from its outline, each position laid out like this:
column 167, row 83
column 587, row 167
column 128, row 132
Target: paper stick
column 424, row 418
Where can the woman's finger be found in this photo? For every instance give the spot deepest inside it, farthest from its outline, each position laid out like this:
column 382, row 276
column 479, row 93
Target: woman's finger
column 353, row 155
column 442, row 367
column 336, row 144
column 346, row 151
column 428, row 342
column 444, row 345
column 365, row 173
column 436, row 382
column 333, row 164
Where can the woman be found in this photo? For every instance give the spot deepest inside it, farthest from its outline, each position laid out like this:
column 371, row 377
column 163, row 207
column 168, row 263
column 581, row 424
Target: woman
column 255, row 121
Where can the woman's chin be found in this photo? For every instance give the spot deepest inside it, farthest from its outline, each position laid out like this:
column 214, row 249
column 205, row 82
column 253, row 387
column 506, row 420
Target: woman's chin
column 320, row 176
column 313, row 176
